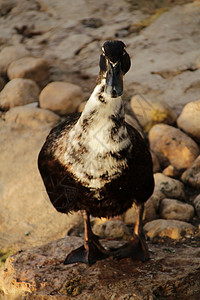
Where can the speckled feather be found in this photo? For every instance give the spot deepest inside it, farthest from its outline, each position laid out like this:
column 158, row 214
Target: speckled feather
column 67, row 194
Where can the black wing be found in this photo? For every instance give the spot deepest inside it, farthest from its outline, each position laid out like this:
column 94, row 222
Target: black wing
column 60, row 186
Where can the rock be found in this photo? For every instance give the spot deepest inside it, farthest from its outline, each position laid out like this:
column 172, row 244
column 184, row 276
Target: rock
column 150, row 112
column 192, row 175
column 155, row 198
column 166, row 187
column 130, row 215
column 176, row 210
column 39, row 273
column 31, row 116
column 168, row 228
column 27, row 217
column 18, row 92
column 189, row 119
column 171, row 171
column 149, row 211
column 110, row 229
column 2, row 83
column 61, row 97
column 9, row 54
column 156, row 164
column 33, row 68
column 131, row 121
column 169, row 187
column 197, row 205
column 172, row 146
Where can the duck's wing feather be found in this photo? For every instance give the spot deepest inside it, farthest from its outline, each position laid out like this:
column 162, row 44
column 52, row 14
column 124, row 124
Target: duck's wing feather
column 58, row 183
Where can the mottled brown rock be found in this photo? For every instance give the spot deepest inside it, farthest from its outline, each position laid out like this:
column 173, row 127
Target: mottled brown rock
column 189, row 119
column 18, row 92
column 168, row 228
column 61, row 97
column 151, row 112
column 192, row 175
column 171, row 171
column 110, row 229
column 30, row 67
column 172, row 209
column 172, row 146
column 39, row 273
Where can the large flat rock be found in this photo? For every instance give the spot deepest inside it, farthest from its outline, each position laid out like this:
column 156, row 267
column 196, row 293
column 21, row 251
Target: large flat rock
column 171, row 273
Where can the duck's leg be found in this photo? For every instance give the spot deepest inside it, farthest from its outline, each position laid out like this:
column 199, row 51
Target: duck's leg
column 137, row 247
column 91, row 251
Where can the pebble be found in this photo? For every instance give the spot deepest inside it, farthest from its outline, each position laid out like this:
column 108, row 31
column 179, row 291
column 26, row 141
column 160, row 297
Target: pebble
column 151, row 112
column 61, row 97
column 18, row 92
column 171, row 171
column 176, row 210
column 31, row 116
column 189, row 119
column 9, row 54
column 110, row 229
column 33, row 68
column 192, row 175
column 172, row 146
column 173, row 229
column 197, row 205
column 169, row 187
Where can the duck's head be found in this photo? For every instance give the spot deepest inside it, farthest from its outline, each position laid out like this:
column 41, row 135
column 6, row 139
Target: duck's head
column 114, row 64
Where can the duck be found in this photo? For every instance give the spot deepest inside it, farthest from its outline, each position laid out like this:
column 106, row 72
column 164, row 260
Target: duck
column 96, row 163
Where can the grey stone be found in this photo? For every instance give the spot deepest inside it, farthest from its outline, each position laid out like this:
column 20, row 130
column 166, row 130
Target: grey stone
column 192, row 175
column 176, row 210
column 169, row 187
column 197, row 205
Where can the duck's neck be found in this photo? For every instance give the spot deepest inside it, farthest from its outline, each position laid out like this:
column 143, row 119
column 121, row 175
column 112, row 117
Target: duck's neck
column 102, row 108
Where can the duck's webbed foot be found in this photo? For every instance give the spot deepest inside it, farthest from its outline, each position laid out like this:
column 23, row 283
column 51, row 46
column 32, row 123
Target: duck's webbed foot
column 135, row 249
column 91, row 251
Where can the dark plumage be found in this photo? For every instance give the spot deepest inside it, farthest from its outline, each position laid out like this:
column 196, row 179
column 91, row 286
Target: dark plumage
column 100, row 172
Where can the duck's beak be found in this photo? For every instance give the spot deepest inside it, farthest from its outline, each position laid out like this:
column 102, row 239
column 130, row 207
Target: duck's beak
column 114, row 80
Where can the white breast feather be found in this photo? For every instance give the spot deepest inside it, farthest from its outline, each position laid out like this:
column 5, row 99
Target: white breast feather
column 96, row 161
